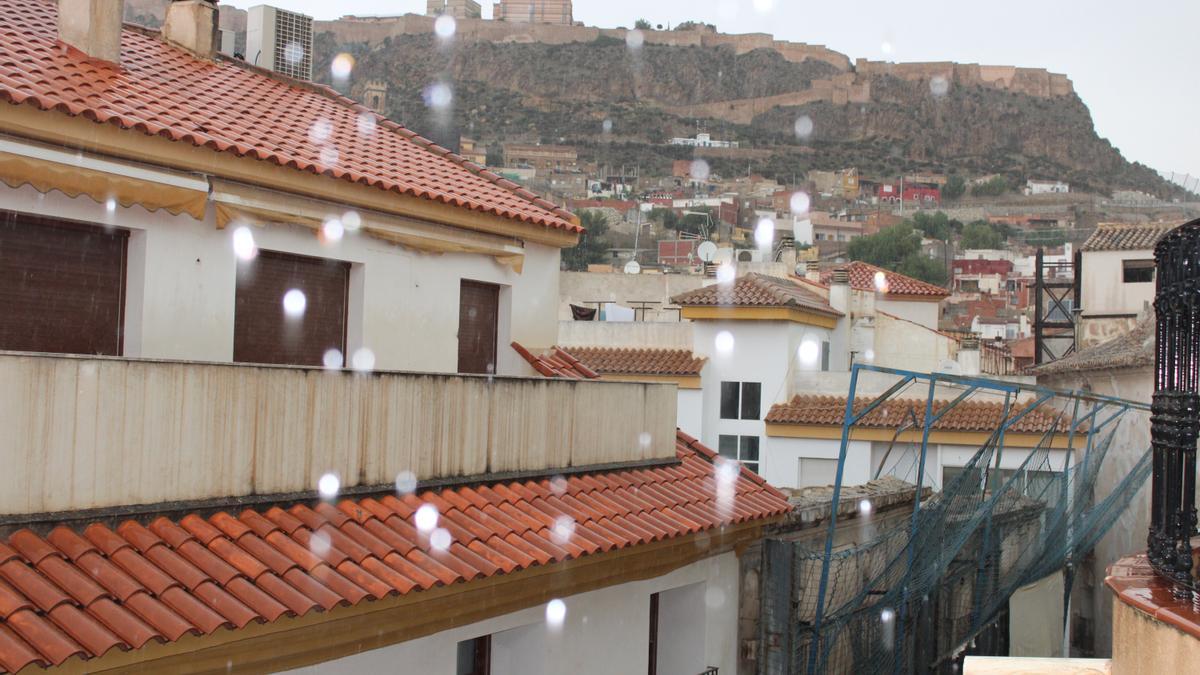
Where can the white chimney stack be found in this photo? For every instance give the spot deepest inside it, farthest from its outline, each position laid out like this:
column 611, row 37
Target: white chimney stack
column 839, row 299
column 92, row 26
column 192, row 24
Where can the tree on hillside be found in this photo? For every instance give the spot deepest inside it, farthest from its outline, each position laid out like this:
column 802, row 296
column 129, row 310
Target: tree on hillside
column 897, row 248
column 981, row 234
column 642, row 24
column 936, row 225
column 991, row 188
column 593, row 243
column 955, row 187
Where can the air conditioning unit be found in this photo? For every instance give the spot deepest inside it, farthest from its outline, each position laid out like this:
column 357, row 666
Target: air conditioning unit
column 280, row 40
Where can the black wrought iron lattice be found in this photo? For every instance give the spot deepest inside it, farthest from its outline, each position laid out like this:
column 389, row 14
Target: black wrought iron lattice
column 1175, row 416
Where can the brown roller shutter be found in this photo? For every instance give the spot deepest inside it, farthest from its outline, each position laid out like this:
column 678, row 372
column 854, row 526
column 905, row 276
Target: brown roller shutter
column 478, row 310
column 62, row 286
column 263, row 333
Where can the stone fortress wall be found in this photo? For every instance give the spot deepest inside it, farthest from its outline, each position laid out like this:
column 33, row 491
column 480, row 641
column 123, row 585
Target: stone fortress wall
column 851, row 85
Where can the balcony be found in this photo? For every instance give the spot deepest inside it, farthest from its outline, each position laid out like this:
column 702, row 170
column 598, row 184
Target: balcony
column 85, row 433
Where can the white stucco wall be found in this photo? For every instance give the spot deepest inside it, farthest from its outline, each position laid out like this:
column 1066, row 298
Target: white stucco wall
column 586, row 288
column 781, row 463
column 605, row 631
column 1104, row 289
column 403, row 304
column 925, row 312
column 910, row 346
column 689, row 412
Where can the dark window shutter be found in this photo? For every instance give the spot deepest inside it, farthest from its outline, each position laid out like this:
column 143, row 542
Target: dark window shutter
column 263, row 333
column 751, row 396
column 727, row 446
column 62, row 286
column 478, row 312
column 749, row 449
column 729, row 400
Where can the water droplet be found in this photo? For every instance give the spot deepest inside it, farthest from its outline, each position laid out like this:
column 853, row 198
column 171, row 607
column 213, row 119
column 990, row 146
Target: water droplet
column 318, row 543
column 939, row 86
column 714, row 597
column 809, row 351
column 700, row 170
column 764, row 233
column 366, row 123
column 406, row 482
column 333, row 358
column 342, row 66
column 886, row 47
column 243, row 243
column 110, row 205
column 564, row 528
column 634, row 39
column 328, row 486
column 869, row 355
column 800, row 202
column 320, row 131
column 294, row 303
column 558, row 485
column 644, row 439
column 804, row 127
column 329, row 156
column 726, row 274
column 724, row 343
column 293, row 53
column 444, row 26
column 864, row 507
column 426, row 517
column 881, row 282
column 440, row 539
column 351, row 220
column 556, row 613
column 333, row 230
column 363, row 359
column 438, row 95
column 607, row 126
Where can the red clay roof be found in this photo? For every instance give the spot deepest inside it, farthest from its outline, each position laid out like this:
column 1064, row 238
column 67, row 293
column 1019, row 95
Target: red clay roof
column 639, row 361
column 84, row 592
column 556, row 363
column 756, row 290
column 966, row 416
column 1127, row 237
column 161, row 90
column 862, row 278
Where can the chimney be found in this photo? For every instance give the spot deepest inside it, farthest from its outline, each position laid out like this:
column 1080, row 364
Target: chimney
column 92, row 26
column 968, row 356
column 839, row 340
column 192, row 24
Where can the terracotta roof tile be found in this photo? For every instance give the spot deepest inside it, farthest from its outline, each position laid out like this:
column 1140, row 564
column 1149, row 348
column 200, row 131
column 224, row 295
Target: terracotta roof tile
column 634, row 361
column 1134, row 349
column 966, row 416
column 756, row 290
column 157, row 583
column 1127, row 237
column 161, row 90
column 865, row 277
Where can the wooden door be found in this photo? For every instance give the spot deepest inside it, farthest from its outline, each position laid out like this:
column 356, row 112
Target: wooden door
column 478, row 313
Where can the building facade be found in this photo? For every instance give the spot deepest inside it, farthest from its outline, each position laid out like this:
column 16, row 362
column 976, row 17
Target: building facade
column 533, row 11
column 459, row 9
column 541, row 157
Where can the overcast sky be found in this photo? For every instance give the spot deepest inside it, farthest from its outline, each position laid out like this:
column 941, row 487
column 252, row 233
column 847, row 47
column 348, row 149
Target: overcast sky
column 1130, row 60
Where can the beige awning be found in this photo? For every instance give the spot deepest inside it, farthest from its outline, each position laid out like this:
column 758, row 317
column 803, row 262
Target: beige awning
column 74, row 174
column 235, row 202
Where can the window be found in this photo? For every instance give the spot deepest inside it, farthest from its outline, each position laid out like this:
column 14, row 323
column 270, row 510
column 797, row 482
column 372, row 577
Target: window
column 272, row 324
column 968, row 285
column 652, row 667
column 741, row 400
column 742, row 448
column 1138, row 271
column 62, row 286
column 478, row 314
column 825, row 356
column 475, row 656
column 816, row 471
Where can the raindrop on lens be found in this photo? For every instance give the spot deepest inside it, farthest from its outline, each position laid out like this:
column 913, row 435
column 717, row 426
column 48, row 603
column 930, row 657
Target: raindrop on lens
column 764, row 233
column 342, row 66
column 406, row 483
column 243, row 243
column 366, row 124
column 438, row 95
column 333, row 230
column 320, row 131
column 634, row 39
column 803, row 127
column 881, row 282
column 726, row 274
column 939, row 86
column 440, row 539
column 351, row 221
column 558, row 485
column 318, row 543
column 644, row 439
column 724, row 342
column 864, row 507
column 426, row 517
column 564, row 527
column 444, row 26
column 110, row 205
column 294, row 303
column 328, row 486
column 293, row 53
column 700, row 170
column 363, row 359
column 809, row 351
column 869, row 355
column 764, row 6
column 800, row 202
column 886, row 47
column 607, row 126
column 556, row 612
column 332, row 358
column 329, row 155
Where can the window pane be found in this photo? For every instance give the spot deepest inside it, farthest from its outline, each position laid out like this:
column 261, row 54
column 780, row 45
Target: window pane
column 1138, row 271
column 749, row 449
column 751, row 394
column 825, row 355
column 728, row 446
column 753, row 466
column 729, row 400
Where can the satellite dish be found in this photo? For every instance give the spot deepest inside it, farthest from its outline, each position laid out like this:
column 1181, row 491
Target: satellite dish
column 707, row 251
column 632, row 267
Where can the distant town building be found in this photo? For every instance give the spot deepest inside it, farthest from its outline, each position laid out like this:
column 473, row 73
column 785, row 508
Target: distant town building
column 523, row 155
column 533, row 11
column 459, row 9
column 472, row 150
column 373, row 94
column 841, row 184
column 922, row 194
column 1043, row 187
column 703, row 141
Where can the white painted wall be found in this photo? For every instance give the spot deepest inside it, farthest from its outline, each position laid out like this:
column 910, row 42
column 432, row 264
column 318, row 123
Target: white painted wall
column 909, row 346
column 586, row 288
column 680, row 644
column 1104, row 289
column 404, row 304
column 689, row 412
column 781, row 465
column 605, row 631
column 1035, row 618
column 922, row 312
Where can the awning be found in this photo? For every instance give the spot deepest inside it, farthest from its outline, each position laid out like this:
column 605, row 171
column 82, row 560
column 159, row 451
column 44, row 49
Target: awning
column 74, row 174
column 235, row 202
